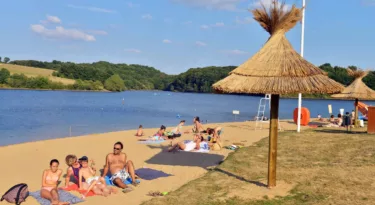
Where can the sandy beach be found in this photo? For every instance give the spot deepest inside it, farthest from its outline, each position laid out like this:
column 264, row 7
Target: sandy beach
column 24, row 163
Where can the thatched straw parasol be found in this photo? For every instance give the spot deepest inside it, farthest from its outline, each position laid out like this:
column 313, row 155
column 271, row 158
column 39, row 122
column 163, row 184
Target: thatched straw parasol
column 277, row 69
column 358, row 90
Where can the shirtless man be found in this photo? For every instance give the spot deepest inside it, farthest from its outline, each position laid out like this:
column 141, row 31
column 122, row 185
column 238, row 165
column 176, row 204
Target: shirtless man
column 120, row 168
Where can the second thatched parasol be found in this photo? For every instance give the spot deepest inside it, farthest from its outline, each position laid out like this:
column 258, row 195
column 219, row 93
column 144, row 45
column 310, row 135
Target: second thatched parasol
column 357, row 90
column 277, row 69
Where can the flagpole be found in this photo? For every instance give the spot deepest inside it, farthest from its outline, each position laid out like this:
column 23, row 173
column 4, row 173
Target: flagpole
column 302, row 47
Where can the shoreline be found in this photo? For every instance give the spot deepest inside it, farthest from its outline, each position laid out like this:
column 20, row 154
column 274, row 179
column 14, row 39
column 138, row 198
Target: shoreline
column 106, row 91
column 181, row 167
column 127, row 130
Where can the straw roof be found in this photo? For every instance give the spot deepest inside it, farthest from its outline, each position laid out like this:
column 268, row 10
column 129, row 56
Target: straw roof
column 277, row 68
column 358, row 89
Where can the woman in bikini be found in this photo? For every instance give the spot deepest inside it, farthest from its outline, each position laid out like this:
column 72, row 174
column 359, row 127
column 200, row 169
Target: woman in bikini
column 197, row 125
column 49, row 183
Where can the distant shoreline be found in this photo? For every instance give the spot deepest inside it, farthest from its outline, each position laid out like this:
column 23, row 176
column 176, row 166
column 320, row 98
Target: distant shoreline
column 106, row 91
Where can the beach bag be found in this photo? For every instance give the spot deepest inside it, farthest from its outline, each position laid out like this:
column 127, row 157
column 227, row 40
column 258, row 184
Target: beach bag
column 17, row 194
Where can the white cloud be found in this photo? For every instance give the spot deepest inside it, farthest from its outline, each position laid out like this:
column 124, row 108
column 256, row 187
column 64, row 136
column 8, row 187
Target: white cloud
column 200, row 43
column 147, row 16
column 227, row 5
column 94, row 9
column 187, row 22
column 97, row 32
column 61, row 33
column 53, row 19
column 219, row 24
column 246, row 20
column 234, row 52
column 132, row 50
column 167, row 41
column 132, row 5
column 205, row 27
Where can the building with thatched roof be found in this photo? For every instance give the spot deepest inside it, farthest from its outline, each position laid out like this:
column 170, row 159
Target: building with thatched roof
column 277, row 69
column 357, row 89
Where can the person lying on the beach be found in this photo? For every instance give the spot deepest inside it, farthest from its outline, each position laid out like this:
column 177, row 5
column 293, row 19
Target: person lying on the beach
column 120, row 168
column 95, row 183
column 159, row 135
column 49, row 183
column 189, row 145
column 139, row 131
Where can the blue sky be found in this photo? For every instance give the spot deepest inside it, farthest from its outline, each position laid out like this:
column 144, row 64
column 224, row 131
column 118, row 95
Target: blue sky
column 174, row 35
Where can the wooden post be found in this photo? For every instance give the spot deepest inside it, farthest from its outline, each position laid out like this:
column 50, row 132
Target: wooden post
column 272, row 153
column 356, row 113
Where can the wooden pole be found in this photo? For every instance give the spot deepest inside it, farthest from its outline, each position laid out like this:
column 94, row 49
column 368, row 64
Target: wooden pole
column 273, row 141
column 356, row 113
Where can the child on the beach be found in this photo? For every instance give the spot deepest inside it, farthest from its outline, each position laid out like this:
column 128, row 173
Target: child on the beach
column 95, row 183
column 139, row 131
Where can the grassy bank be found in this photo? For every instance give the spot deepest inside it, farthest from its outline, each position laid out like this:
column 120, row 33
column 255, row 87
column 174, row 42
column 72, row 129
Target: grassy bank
column 321, row 166
column 35, row 72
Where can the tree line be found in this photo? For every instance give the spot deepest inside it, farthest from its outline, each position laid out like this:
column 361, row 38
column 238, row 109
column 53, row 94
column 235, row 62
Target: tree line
column 119, row 77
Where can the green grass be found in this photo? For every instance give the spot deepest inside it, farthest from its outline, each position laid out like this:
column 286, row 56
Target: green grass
column 323, row 167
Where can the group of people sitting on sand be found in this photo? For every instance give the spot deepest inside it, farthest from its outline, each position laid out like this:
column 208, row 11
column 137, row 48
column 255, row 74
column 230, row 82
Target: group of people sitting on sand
column 212, row 142
column 84, row 176
column 121, row 169
column 339, row 122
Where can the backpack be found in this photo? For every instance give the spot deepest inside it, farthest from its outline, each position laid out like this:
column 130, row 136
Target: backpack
column 17, row 194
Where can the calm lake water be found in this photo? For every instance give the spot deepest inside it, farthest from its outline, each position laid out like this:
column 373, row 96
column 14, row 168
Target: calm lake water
column 37, row 115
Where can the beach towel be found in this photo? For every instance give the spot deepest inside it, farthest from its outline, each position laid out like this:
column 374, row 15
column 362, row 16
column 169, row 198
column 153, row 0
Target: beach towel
column 74, row 187
column 126, row 181
column 63, row 195
column 200, row 150
column 150, row 174
column 151, row 142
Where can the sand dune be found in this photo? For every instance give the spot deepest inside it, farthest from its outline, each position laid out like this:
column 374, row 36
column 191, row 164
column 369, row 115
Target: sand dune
column 26, row 162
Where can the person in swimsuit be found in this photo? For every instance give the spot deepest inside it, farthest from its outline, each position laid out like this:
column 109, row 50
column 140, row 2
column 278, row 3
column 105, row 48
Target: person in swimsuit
column 189, row 145
column 177, row 131
column 214, row 140
column 159, row 135
column 95, row 183
column 197, row 125
column 73, row 170
column 120, row 168
column 49, row 183
column 139, row 131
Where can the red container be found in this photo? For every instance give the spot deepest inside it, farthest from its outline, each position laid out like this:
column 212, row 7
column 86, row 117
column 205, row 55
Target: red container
column 305, row 116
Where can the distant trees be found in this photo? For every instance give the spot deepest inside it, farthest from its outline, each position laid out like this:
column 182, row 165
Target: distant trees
column 100, row 75
column 0, row 59
column 6, row 60
column 114, row 83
